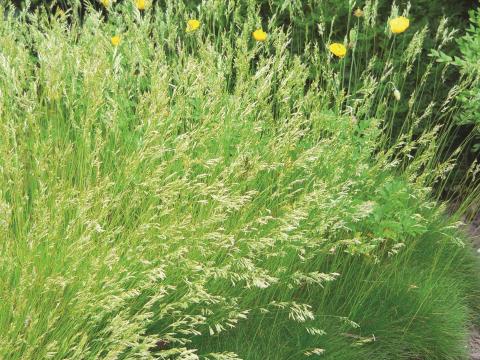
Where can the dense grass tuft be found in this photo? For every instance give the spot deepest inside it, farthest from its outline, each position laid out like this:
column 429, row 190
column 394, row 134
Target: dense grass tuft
column 202, row 195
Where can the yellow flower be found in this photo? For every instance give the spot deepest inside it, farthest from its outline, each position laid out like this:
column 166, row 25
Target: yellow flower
column 141, row 4
column 338, row 49
column 60, row 13
column 259, row 35
column 358, row 13
column 192, row 25
column 399, row 24
column 116, row 40
column 105, row 3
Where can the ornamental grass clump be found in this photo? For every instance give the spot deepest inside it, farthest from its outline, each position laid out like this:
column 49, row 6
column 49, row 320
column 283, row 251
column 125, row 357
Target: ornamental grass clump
column 207, row 198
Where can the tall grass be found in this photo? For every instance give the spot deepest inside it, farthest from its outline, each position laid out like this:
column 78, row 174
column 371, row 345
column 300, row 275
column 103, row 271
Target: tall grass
column 204, row 196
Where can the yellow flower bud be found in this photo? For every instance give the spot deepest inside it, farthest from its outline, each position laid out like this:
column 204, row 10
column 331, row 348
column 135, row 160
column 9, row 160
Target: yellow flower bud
column 116, row 40
column 399, row 24
column 192, row 25
column 397, row 94
column 338, row 49
column 358, row 13
column 141, row 4
column 259, row 35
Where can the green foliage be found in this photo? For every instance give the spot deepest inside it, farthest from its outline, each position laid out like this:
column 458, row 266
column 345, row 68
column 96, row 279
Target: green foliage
column 468, row 62
column 469, row 45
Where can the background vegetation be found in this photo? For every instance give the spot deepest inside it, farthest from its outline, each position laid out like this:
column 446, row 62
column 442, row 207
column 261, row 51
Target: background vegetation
column 315, row 22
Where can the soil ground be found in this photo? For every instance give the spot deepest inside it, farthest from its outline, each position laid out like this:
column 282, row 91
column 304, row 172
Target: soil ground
column 475, row 345
column 474, row 230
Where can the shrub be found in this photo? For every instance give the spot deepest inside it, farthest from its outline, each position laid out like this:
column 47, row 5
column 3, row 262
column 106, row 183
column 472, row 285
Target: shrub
column 467, row 93
column 469, row 63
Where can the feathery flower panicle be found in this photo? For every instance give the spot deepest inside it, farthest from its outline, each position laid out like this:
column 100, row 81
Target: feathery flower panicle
column 337, row 49
column 116, row 40
column 192, row 25
column 259, row 35
column 399, row 24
